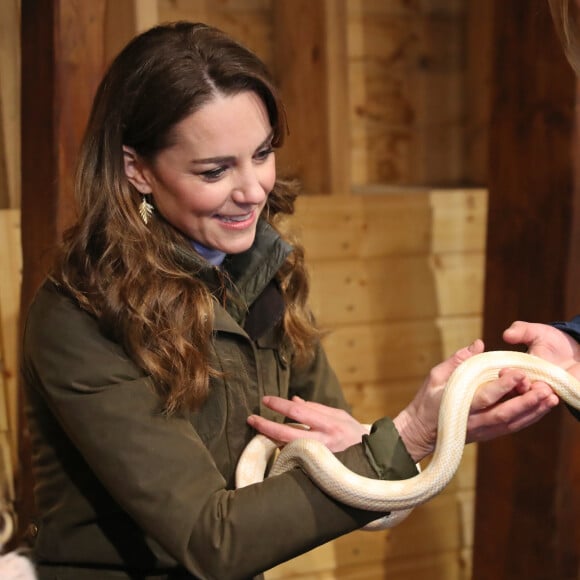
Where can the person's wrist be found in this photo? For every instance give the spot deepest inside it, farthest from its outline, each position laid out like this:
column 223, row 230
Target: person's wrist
column 417, row 446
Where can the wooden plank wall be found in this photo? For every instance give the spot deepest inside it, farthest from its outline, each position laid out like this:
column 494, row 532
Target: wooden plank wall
column 410, row 91
column 395, row 92
column 397, row 279
column 10, row 279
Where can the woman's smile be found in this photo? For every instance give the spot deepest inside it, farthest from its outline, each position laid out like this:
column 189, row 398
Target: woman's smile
column 237, row 222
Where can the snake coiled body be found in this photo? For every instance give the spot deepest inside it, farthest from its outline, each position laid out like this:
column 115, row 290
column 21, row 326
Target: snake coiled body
column 345, row 486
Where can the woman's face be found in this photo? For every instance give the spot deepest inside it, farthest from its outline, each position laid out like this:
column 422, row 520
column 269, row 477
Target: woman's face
column 213, row 182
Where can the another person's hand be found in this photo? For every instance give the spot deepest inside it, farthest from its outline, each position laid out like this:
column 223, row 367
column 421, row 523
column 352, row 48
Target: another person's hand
column 499, row 407
column 336, row 428
column 546, row 342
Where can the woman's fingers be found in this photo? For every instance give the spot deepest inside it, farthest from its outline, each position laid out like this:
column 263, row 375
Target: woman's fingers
column 280, row 432
column 315, row 415
column 441, row 373
column 336, row 428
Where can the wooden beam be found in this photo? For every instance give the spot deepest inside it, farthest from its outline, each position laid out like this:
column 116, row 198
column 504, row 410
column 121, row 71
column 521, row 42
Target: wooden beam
column 337, row 96
column 62, row 63
column 479, row 23
column 4, row 180
column 125, row 19
column 528, row 500
column 311, row 69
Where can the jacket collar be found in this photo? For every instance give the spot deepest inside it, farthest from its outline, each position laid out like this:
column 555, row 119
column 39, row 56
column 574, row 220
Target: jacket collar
column 252, row 270
column 246, row 275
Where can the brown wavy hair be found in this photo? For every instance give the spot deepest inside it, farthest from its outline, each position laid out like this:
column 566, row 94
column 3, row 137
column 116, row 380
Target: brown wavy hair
column 129, row 275
column 565, row 16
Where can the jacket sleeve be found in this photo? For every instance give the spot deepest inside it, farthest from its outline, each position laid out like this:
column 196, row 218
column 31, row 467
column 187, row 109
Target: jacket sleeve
column 572, row 327
column 157, row 469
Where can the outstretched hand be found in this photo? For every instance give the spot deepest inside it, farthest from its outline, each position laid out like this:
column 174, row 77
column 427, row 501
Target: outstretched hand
column 502, row 406
column 336, row 428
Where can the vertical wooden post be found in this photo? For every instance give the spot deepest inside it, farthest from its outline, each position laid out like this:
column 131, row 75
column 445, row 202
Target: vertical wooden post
column 311, row 66
column 479, row 25
column 62, row 62
column 337, row 96
column 124, row 19
column 528, row 493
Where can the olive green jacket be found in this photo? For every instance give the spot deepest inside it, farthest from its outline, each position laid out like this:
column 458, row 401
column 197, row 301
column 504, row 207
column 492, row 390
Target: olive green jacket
column 124, row 491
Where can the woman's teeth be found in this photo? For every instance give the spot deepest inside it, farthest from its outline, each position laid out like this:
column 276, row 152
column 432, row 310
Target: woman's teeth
column 234, row 218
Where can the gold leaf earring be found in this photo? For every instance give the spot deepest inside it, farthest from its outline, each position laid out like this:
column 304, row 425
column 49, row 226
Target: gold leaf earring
column 145, row 210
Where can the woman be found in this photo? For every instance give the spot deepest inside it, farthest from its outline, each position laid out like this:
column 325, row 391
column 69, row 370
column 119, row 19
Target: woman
column 175, row 324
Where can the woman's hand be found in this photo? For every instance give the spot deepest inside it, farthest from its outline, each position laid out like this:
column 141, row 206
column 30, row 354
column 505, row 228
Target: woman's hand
column 499, row 407
column 336, row 428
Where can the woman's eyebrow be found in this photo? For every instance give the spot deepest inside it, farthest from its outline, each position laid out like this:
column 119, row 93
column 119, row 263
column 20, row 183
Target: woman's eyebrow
column 216, row 160
column 231, row 158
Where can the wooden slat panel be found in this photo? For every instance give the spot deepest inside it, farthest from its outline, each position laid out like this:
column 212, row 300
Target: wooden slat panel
column 372, row 353
column 10, row 281
column 369, row 291
column 445, row 566
column 408, row 119
column 370, row 400
column 391, row 222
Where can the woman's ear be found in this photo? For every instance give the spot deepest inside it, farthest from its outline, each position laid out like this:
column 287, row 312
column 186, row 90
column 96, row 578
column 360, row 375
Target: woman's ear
column 134, row 171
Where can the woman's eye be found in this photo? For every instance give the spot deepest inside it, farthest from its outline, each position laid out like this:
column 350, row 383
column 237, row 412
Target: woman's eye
column 263, row 154
column 213, row 174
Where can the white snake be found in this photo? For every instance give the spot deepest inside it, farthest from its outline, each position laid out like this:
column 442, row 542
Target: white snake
column 400, row 497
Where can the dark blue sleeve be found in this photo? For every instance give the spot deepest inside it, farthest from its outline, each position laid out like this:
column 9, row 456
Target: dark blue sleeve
column 572, row 328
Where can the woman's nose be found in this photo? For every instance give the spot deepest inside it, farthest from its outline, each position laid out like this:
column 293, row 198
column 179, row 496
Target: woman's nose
column 248, row 187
